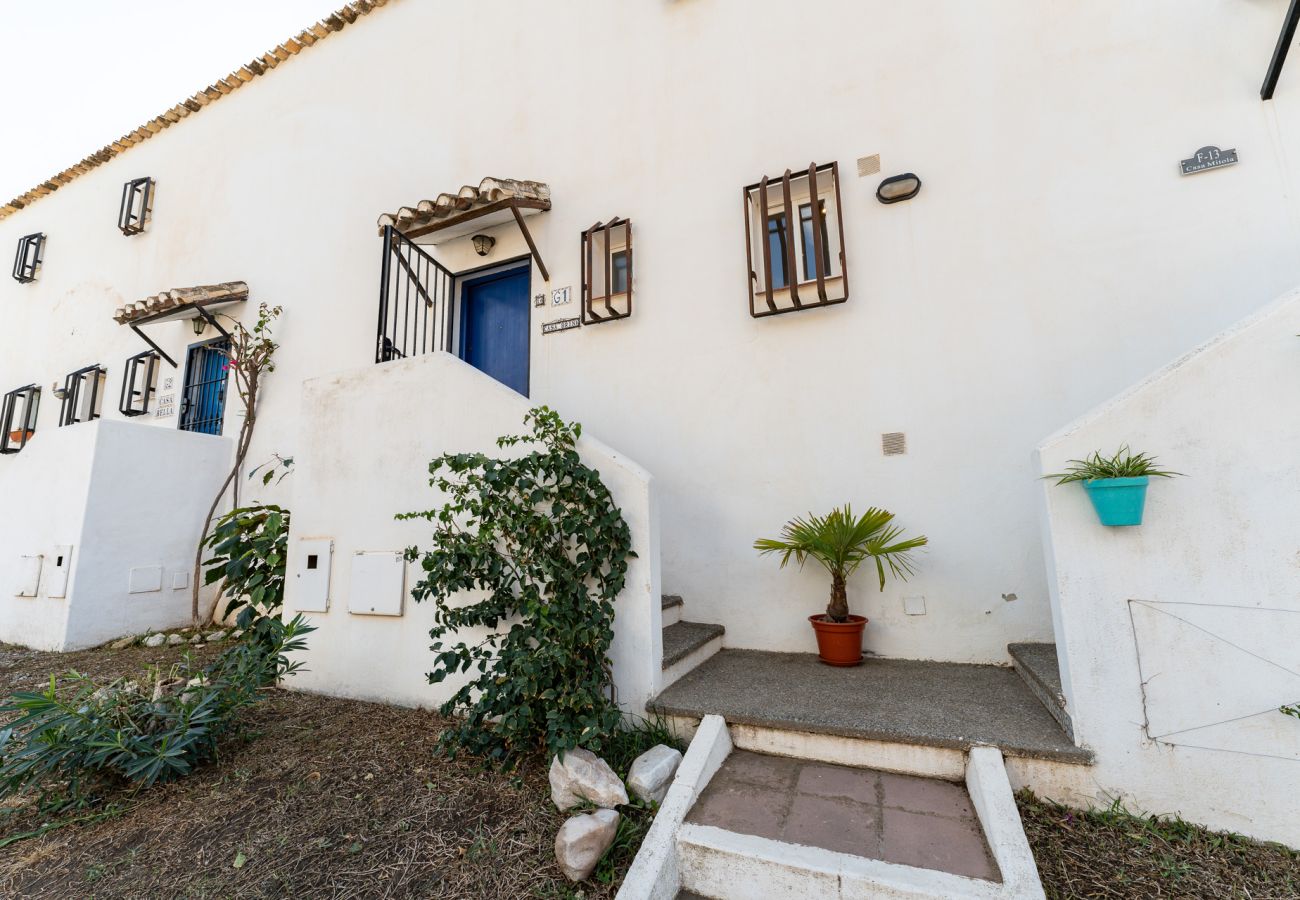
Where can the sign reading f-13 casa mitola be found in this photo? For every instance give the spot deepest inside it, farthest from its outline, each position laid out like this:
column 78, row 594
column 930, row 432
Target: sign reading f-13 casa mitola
column 1209, row 158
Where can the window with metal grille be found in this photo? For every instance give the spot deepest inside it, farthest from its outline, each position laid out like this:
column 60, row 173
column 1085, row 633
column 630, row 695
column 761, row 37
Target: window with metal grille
column 139, row 383
column 794, row 241
column 18, row 417
column 203, row 401
column 137, row 206
column 82, row 395
column 607, row 271
column 27, row 261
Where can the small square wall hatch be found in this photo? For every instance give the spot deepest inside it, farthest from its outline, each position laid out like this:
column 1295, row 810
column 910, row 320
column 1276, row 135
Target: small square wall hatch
column 311, row 575
column 145, row 580
column 378, row 583
column 28, row 579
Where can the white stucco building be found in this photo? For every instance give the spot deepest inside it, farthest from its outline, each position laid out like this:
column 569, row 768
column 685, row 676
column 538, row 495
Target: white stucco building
column 1055, row 255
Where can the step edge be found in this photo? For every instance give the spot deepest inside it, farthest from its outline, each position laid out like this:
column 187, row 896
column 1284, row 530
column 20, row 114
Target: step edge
column 713, row 632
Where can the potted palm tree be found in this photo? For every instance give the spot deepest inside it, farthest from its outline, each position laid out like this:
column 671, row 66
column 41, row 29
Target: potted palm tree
column 842, row 542
column 1116, row 485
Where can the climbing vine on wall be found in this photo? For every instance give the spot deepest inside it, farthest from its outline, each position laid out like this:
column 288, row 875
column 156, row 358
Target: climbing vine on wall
column 540, row 542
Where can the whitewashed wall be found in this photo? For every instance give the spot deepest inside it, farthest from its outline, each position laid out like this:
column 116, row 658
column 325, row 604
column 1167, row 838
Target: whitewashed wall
column 1180, row 638
column 122, row 496
column 983, row 313
column 357, row 473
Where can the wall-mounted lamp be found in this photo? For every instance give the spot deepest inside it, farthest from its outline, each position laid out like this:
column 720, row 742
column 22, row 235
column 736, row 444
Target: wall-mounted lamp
column 200, row 324
column 898, row 187
column 483, row 244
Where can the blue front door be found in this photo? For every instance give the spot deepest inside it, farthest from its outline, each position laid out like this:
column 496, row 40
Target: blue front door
column 203, row 402
column 494, row 326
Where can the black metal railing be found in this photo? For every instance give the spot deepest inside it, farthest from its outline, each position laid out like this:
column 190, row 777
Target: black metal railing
column 415, row 301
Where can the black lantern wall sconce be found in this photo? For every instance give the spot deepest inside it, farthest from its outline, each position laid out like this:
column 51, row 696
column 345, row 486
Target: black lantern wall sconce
column 898, row 188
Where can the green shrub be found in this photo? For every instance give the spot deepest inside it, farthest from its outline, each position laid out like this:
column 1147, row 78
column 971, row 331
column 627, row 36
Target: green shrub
column 541, row 537
column 76, row 738
column 249, row 547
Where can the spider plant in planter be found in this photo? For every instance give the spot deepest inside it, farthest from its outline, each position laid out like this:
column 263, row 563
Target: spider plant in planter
column 1116, row 485
column 841, row 542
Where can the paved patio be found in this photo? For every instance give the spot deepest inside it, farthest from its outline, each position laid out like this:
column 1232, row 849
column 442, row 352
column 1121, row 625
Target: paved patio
column 902, row 819
column 909, row 701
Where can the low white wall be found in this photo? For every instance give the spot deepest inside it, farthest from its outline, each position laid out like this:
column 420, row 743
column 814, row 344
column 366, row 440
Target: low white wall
column 1180, row 638
column 123, row 496
column 367, row 438
column 44, row 489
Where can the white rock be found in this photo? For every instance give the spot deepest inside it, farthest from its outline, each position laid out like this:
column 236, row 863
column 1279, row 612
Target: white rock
column 652, row 772
column 174, row 640
column 216, row 636
column 122, row 643
column 582, row 777
column 197, row 639
column 155, row 640
column 236, row 634
column 583, row 840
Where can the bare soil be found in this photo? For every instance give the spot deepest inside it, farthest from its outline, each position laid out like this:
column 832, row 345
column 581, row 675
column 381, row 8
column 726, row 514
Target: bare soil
column 323, row 797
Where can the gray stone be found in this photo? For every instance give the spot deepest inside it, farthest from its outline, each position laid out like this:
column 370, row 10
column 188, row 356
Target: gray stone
column 216, row 636
column 155, row 640
column 652, row 772
column 122, row 643
column 236, row 634
column 174, row 640
column 197, row 639
column 583, row 840
column 583, row 777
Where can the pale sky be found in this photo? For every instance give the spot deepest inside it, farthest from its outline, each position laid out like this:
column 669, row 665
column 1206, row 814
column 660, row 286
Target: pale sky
column 78, row 74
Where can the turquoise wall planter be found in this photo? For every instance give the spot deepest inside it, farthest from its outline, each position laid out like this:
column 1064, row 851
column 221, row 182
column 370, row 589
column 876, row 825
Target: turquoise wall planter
column 1118, row 501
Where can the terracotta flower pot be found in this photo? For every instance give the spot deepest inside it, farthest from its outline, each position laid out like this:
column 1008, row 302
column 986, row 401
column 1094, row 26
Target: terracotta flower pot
column 839, row 643
column 16, row 437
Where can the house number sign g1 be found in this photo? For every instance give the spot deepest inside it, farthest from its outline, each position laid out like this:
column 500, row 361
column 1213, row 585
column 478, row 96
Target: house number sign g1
column 1209, row 158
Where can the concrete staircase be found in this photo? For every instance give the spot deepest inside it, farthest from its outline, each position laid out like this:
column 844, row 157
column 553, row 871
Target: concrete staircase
column 1038, row 666
column 685, row 644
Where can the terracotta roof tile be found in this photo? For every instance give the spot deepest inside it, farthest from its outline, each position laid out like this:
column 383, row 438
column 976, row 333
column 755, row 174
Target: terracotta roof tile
column 489, row 190
column 202, row 295
column 334, row 22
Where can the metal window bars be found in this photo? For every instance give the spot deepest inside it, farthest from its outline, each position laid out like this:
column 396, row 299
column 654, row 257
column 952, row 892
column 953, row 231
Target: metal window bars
column 17, row 428
column 415, row 301
column 137, row 206
column 608, row 284
column 778, row 220
column 82, row 395
column 27, row 261
column 139, row 383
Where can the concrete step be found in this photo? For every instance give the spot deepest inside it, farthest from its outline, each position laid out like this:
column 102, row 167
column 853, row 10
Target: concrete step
column 1037, row 664
column 686, row 645
column 950, row 707
column 672, row 609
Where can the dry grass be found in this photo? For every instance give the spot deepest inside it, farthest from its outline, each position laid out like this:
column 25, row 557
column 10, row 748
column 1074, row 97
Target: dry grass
column 1109, row 854
column 324, row 798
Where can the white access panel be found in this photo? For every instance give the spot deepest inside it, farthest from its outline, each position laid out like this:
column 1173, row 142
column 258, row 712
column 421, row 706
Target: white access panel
column 378, row 583
column 29, row 576
column 311, row 568
column 145, row 580
column 56, row 573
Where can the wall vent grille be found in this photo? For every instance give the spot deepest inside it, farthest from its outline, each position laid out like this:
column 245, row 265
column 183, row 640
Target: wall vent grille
column 893, row 443
column 869, row 165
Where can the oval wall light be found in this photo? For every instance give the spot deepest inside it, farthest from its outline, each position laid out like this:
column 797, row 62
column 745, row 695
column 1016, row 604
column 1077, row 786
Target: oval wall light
column 898, row 187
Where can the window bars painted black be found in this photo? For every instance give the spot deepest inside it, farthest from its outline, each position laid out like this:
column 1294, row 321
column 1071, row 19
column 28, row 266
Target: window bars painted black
column 139, row 383
column 137, row 206
column 82, row 396
column 203, row 402
column 27, row 261
column 18, row 417
column 607, row 271
column 794, row 228
column 415, row 301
